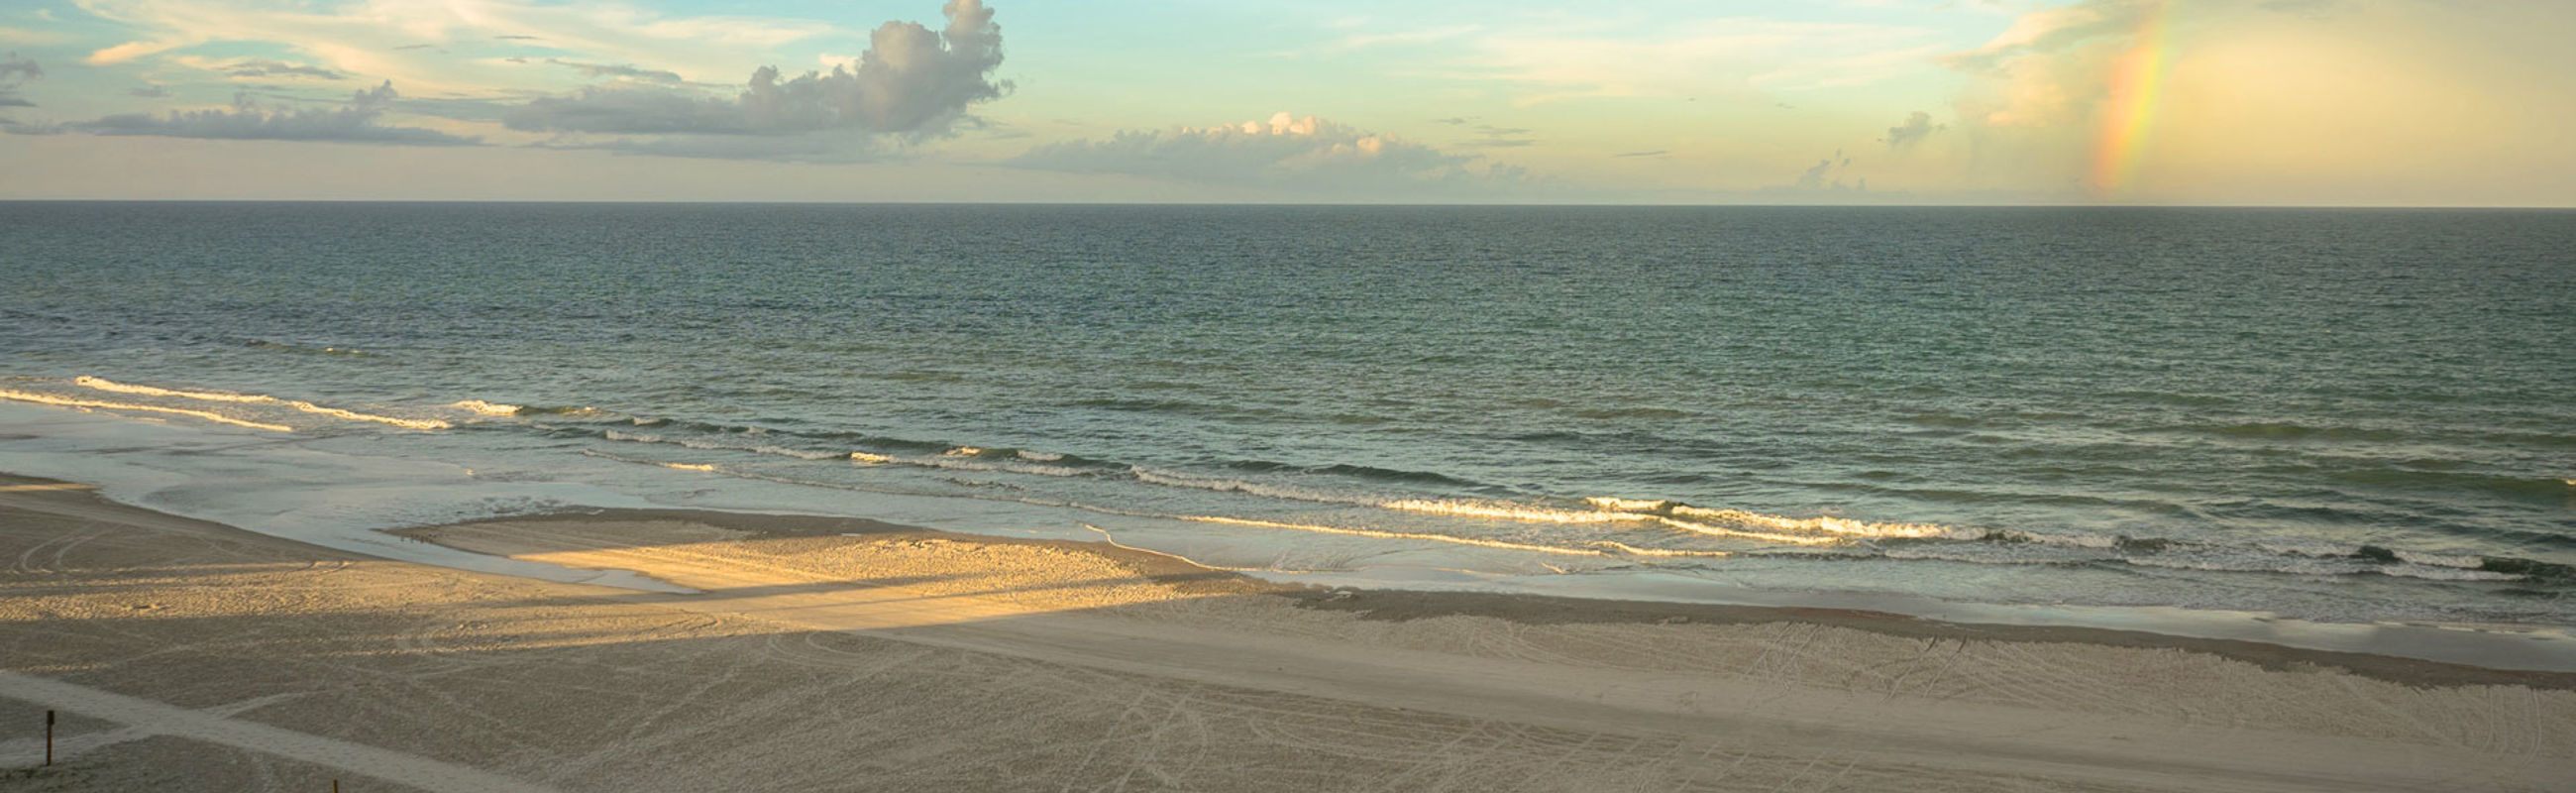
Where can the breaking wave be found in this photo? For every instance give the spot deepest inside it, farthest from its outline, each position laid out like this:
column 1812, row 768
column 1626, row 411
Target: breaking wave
column 1750, row 532
column 48, row 399
column 111, row 386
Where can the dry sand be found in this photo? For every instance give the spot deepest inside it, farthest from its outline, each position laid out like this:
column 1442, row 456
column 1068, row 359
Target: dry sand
column 192, row 656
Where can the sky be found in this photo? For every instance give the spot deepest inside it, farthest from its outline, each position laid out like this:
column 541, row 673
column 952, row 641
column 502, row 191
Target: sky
column 2201, row 102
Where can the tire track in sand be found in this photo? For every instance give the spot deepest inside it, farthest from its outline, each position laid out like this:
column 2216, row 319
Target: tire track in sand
column 216, row 728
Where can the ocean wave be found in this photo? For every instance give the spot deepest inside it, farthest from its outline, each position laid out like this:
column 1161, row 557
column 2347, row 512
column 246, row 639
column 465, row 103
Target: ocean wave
column 111, row 386
column 1864, row 538
column 48, row 399
column 1827, row 524
column 976, row 461
column 1368, row 472
column 2443, row 573
column 1155, row 476
column 507, row 409
column 1596, row 548
column 488, row 408
column 707, row 445
column 964, row 458
column 1850, row 538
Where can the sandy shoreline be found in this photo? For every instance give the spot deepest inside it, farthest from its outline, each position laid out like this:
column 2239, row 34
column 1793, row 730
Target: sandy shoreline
column 908, row 659
column 1528, row 609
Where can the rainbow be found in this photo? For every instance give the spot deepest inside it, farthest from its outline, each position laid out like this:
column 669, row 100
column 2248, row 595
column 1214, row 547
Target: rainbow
column 2136, row 82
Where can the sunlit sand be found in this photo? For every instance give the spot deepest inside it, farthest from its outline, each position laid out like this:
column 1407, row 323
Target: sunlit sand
column 185, row 655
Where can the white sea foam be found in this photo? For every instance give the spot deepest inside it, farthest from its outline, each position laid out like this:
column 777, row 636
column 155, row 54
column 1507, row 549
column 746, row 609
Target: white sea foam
column 1684, row 517
column 1223, row 485
column 706, row 445
column 2443, row 573
column 1617, row 504
column 1602, row 548
column 1510, row 511
column 2442, row 560
column 215, row 396
column 1828, row 524
column 47, row 399
column 489, row 408
column 1719, row 531
column 2248, row 564
column 955, row 461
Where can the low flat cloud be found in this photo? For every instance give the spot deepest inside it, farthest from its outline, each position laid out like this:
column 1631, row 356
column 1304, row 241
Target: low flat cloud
column 1494, row 137
column 912, row 82
column 263, row 67
column 1918, row 125
column 355, row 121
column 1284, row 151
column 619, row 70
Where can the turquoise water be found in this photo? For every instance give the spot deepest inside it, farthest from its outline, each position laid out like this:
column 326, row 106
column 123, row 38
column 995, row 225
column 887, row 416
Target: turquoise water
column 2333, row 414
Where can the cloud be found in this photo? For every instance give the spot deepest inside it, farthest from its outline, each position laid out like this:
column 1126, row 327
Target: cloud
column 912, row 82
column 352, row 122
column 2048, row 67
column 358, row 37
column 1655, row 153
column 15, row 72
column 619, row 70
column 149, row 92
column 263, row 67
column 1918, row 125
column 2050, row 30
column 1286, row 151
column 1822, row 182
column 1499, row 137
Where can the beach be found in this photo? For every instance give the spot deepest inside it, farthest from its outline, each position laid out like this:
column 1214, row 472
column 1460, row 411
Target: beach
column 843, row 654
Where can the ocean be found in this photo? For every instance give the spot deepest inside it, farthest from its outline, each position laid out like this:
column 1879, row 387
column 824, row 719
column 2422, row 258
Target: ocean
column 2337, row 416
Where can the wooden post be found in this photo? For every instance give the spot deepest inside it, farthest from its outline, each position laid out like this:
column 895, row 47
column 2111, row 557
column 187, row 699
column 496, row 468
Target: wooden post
column 49, row 737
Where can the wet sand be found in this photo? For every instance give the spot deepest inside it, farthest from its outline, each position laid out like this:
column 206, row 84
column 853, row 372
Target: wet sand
column 187, row 655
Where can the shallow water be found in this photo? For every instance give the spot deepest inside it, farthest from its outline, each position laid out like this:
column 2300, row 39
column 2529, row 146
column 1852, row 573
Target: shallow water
column 2331, row 414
